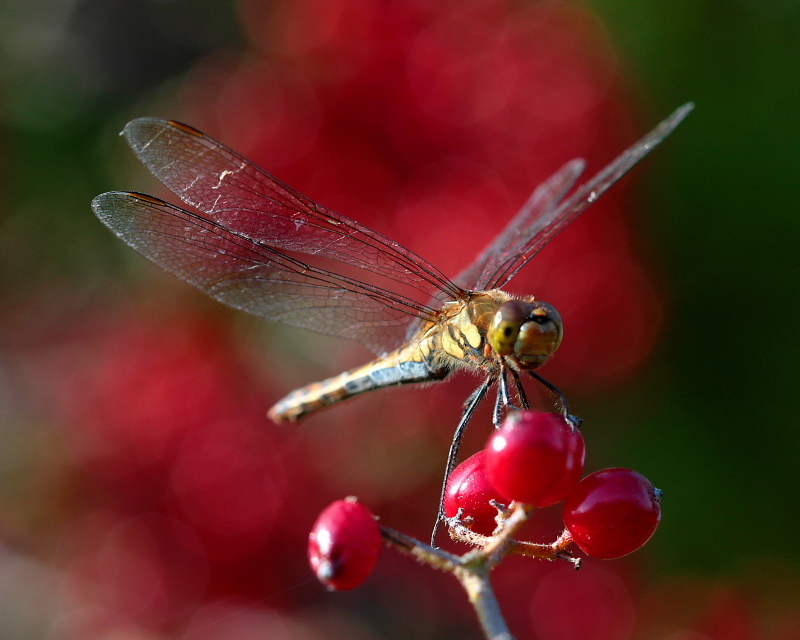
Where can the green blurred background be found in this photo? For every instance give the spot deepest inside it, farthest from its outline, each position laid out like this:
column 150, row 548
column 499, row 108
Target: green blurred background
column 723, row 217
column 712, row 418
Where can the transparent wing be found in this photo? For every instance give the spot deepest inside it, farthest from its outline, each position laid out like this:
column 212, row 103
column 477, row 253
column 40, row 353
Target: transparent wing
column 551, row 220
column 254, row 277
column 246, row 199
column 513, row 240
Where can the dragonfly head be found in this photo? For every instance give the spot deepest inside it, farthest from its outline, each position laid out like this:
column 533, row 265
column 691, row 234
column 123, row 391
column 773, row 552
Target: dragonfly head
column 529, row 330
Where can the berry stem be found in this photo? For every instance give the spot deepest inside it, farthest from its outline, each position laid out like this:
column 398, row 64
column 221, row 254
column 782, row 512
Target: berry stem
column 500, row 544
column 432, row 556
column 547, row 551
column 481, row 595
column 471, row 570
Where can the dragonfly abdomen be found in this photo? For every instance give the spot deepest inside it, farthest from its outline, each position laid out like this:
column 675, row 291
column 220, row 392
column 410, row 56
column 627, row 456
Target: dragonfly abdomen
column 410, row 364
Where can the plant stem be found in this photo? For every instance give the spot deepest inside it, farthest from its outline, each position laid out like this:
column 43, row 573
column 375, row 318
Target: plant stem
column 481, row 595
column 472, row 569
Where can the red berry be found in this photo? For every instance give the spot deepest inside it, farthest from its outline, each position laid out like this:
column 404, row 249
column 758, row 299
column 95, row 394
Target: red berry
column 612, row 512
column 469, row 489
column 344, row 544
column 535, row 458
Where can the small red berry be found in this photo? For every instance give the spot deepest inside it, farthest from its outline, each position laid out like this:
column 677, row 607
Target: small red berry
column 344, row 544
column 612, row 512
column 469, row 489
column 535, row 458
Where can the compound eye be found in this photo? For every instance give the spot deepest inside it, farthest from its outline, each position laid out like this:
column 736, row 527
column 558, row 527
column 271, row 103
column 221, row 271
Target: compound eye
column 539, row 336
column 508, row 319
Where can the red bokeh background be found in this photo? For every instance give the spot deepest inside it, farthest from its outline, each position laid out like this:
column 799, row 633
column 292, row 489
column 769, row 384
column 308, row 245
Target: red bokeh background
column 175, row 509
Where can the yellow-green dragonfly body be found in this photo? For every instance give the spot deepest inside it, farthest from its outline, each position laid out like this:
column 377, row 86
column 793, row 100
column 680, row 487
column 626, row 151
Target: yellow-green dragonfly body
column 260, row 246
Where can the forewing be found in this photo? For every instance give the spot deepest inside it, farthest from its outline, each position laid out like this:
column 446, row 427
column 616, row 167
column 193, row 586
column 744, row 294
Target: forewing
column 531, row 219
column 253, row 277
column 551, row 222
column 246, row 199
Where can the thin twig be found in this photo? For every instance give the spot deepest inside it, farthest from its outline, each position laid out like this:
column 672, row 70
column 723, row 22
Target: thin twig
column 472, row 569
column 481, row 595
column 432, row 556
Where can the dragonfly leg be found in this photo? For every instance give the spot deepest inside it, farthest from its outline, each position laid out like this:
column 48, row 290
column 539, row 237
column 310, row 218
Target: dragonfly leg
column 504, row 391
column 563, row 405
column 523, row 397
column 497, row 412
column 469, row 408
column 503, row 401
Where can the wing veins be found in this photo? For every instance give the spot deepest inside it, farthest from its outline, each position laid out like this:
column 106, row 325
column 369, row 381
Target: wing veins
column 280, row 260
column 197, row 146
column 588, row 193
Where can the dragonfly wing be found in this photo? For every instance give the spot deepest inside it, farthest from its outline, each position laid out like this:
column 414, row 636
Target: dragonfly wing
column 253, row 277
column 243, row 197
column 514, row 238
column 554, row 220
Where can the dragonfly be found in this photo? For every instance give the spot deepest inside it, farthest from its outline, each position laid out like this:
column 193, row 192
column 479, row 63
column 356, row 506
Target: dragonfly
column 255, row 244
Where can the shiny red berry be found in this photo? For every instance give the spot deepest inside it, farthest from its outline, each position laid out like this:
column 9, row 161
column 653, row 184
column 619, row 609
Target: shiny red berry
column 612, row 512
column 344, row 544
column 535, row 458
column 469, row 489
